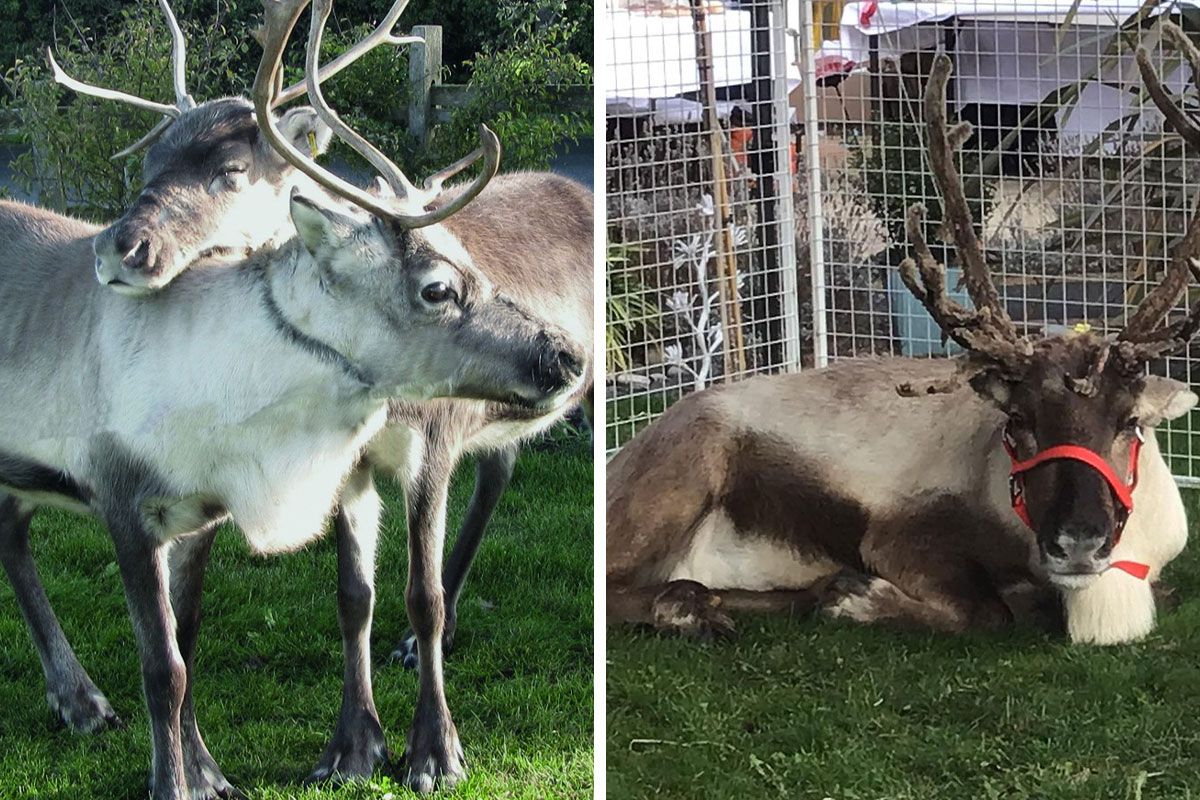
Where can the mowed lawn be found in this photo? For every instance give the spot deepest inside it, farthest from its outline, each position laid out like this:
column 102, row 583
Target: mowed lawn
column 269, row 661
column 807, row 708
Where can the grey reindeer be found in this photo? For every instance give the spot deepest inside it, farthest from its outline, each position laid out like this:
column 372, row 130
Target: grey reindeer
column 154, row 414
column 1023, row 483
column 207, row 170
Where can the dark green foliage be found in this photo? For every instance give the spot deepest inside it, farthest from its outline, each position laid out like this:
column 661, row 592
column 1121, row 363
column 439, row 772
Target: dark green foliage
column 527, row 91
column 520, row 57
column 72, row 138
column 895, row 168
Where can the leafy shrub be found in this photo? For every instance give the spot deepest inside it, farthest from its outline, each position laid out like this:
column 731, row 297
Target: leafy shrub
column 71, row 138
column 527, row 92
column 897, row 175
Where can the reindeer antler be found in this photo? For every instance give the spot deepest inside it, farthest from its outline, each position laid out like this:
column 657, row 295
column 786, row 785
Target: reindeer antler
column 408, row 210
column 988, row 330
column 183, row 100
column 1142, row 339
column 381, row 35
column 1174, row 114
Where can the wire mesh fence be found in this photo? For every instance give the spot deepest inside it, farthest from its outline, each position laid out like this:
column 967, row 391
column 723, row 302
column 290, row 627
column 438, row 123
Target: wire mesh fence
column 701, row 260
column 1078, row 191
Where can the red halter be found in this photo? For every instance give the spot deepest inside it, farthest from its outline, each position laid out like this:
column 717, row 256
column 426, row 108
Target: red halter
column 1123, row 492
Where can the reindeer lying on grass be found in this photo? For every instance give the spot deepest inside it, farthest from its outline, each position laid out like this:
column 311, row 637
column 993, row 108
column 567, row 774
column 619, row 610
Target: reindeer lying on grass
column 829, row 490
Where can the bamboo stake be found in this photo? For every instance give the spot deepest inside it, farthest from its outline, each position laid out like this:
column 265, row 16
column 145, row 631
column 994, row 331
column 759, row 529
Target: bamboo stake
column 733, row 343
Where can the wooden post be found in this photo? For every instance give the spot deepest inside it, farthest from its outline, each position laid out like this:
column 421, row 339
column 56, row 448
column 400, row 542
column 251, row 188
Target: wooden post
column 424, row 72
column 731, row 307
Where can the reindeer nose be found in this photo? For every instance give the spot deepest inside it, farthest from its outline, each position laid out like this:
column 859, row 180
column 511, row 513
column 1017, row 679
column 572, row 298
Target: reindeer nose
column 137, row 257
column 557, row 364
column 1078, row 547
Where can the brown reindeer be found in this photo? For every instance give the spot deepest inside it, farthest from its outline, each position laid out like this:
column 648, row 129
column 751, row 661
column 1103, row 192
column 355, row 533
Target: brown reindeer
column 831, row 489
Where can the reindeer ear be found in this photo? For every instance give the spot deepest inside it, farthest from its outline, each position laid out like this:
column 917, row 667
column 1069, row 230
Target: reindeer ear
column 318, row 227
column 991, row 386
column 305, row 131
column 1163, row 399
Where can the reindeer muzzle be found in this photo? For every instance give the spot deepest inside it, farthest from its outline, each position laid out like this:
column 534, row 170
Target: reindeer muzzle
column 1122, row 491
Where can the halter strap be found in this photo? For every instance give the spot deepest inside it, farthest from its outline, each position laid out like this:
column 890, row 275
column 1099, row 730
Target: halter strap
column 1122, row 490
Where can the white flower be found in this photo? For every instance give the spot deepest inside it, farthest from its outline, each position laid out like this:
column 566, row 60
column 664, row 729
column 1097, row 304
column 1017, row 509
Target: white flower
column 740, row 235
column 705, row 206
column 673, row 354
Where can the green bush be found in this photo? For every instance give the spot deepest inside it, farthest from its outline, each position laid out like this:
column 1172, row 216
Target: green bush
column 72, row 138
column 896, row 173
column 528, row 92
column 520, row 79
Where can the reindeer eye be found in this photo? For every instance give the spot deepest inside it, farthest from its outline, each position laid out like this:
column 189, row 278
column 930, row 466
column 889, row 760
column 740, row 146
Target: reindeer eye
column 438, row 292
column 233, row 170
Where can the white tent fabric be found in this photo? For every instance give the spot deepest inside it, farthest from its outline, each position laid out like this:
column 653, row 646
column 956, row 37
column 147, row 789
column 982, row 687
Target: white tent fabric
column 1017, row 53
column 652, row 56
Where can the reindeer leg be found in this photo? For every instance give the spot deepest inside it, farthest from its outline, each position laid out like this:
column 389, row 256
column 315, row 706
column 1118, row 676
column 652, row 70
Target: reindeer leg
column 358, row 745
column 142, row 560
column 69, row 690
column 492, row 474
column 691, row 609
column 926, row 575
column 188, row 559
column 434, row 755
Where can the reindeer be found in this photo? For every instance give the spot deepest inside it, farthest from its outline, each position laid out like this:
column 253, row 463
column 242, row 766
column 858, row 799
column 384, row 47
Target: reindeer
column 154, row 415
column 830, row 490
column 210, row 162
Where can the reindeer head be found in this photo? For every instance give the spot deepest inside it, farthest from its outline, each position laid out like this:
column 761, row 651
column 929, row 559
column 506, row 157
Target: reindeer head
column 212, row 185
column 411, row 307
column 1077, row 405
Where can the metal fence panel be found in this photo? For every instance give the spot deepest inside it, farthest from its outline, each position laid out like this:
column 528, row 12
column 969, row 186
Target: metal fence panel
column 700, row 157
column 1079, row 191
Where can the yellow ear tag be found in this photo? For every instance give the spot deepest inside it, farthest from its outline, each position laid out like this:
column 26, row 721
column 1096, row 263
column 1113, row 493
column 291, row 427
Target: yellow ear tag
column 1081, row 327
column 312, row 145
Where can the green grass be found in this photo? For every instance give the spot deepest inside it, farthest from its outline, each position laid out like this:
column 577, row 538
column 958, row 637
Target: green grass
column 269, row 659
column 627, row 415
column 806, row 708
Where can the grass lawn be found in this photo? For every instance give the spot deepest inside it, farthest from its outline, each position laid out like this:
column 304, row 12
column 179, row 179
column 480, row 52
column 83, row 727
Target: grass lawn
column 807, row 708
column 270, row 664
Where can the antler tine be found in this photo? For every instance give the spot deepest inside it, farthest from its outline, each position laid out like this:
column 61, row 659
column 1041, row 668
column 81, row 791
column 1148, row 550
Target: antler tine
column 150, row 138
column 178, row 59
column 63, row 79
column 381, row 35
column 1158, row 303
column 395, row 178
column 942, row 144
column 951, row 317
column 1163, row 100
column 489, row 152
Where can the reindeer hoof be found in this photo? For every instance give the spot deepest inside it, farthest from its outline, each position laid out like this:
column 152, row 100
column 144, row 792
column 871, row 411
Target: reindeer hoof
column 356, row 750
column 851, row 595
column 433, row 760
column 691, row 609
column 82, row 707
